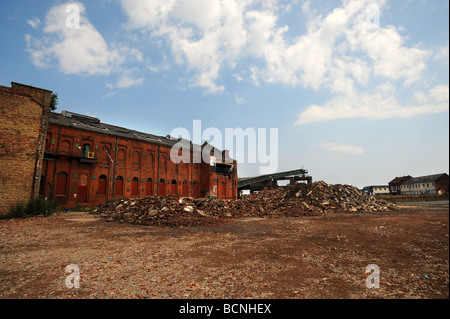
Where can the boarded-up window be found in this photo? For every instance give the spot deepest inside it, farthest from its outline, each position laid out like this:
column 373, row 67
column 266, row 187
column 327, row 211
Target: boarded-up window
column 82, row 196
column 162, row 187
column 135, row 187
column 119, row 186
column 149, row 187
column 61, row 188
column 163, row 164
column 61, row 184
column 136, row 158
column 150, row 161
column 185, row 189
column 102, row 182
column 103, row 154
column 64, row 147
column 121, row 156
column 173, row 188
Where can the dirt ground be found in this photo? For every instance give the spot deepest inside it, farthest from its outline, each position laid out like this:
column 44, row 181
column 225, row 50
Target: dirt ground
column 271, row 258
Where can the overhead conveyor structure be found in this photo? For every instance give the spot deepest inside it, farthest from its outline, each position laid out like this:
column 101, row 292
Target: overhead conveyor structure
column 270, row 181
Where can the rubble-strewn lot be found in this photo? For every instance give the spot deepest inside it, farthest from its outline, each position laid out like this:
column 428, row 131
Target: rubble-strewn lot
column 321, row 256
column 297, row 200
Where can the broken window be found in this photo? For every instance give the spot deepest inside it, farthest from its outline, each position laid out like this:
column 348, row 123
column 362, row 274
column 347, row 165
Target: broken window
column 224, row 169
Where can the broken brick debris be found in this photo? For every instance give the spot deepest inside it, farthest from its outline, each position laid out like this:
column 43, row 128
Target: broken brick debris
column 300, row 199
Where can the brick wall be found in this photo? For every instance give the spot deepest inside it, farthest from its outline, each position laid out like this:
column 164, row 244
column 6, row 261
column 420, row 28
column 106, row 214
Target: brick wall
column 442, row 184
column 23, row 119
column 69, row 181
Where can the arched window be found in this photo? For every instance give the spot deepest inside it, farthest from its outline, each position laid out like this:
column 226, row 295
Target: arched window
column 149, row 187
column 103, row 156
column 150, row 161
column 163, row 163
column 86, row 149
column 136, row 158
column 102, row 184
column 61, row 184
column 135, row 187
column 184, row 189
column 121, row 156
column 162, row 187
column 64, row 147
column 82, row 196
column 119, row 186
column 61, row 188
column 173, row 188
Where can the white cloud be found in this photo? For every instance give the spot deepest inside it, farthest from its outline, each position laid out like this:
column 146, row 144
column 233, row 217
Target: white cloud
column 238, row 77
column 442, row 55
column 239, row 100
column 375, row 106
column 342, row 40
column 346, row 149
column 34, row 23
column 80, row 50
column 109, row 94
column 126, row 81
column 339, row 51
column 390, row 59
column 356, row 57
column 205, row 36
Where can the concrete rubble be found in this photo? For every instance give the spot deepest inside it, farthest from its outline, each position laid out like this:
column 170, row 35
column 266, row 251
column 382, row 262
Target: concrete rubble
column 300, row 199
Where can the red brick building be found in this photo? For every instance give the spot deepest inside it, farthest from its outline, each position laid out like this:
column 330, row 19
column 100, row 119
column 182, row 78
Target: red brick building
column 88, row 163
column 24, row 112
column 396, row 183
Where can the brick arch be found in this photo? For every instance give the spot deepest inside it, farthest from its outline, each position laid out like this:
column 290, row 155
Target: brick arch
column 65, row 146
column 136, row 157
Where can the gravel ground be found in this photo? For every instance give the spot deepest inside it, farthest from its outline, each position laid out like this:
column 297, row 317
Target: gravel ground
column 272, row 258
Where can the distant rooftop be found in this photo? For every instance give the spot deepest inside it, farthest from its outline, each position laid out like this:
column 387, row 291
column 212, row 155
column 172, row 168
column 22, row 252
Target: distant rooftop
column 424, row 179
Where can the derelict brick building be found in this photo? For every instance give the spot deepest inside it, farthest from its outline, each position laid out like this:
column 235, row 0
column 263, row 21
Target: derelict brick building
column 89, row 163
column 24, row 112
column 74, row 159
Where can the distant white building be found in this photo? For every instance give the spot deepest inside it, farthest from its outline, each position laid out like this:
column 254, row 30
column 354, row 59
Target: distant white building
column 376, row 190
column 423, row 185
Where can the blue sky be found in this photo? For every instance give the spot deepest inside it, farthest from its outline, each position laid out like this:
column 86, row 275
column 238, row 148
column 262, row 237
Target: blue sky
column 358, row 90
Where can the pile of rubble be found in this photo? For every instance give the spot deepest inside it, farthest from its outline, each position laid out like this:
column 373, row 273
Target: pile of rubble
column 297, row 200
column 318, row 198
column 157, row 211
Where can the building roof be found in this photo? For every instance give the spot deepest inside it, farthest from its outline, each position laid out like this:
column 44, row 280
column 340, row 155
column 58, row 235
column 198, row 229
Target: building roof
column 424, row 179
column 92, row 124
column 399, row 180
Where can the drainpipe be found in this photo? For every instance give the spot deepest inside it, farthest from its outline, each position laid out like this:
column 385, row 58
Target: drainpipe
column 114, row 168
column 56, row 163
column 158, row 181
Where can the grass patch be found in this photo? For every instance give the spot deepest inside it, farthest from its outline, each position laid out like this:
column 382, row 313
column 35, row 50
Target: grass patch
column 34, row 207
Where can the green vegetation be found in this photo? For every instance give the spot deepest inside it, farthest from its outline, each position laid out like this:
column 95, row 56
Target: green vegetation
column 34, row 207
